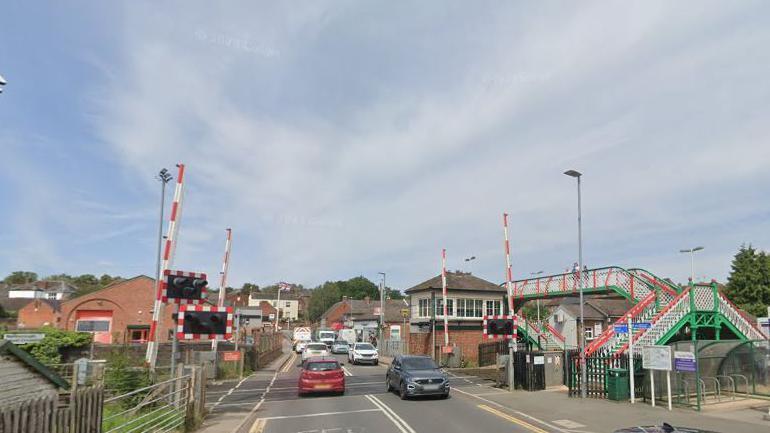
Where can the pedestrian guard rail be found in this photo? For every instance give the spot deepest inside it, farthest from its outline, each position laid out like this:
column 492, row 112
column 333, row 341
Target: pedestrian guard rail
column 606, row 279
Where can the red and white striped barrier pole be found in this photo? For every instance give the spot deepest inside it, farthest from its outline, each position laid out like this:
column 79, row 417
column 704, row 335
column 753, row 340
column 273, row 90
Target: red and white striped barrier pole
column 443, row 294
column 508, row 279
column 168, row 257
column 223, row 278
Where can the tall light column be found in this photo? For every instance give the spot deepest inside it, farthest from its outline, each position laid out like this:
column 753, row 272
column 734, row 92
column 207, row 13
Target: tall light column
column 583, row 372
column 692, row 252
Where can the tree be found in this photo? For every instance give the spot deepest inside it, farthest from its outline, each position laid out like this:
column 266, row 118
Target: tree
column 249, row 288
column 749, row 282
column 20, row 277
column 322, row 298
column 393, row 294
column 359, row 288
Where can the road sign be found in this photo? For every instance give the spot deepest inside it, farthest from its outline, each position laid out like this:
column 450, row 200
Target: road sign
column 231, row 356
column 24, row 338
column 621, row 329
column 405, row 313
column 642, row 325
column 685, row 362
column 499, row 327
column 656, row 357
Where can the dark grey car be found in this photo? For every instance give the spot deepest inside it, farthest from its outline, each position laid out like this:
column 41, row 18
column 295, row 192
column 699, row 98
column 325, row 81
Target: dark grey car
column 412, row 375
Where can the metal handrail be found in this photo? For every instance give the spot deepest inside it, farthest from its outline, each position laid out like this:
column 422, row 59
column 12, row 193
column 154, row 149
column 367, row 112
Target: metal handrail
column 155, row 385
column 746, row 379
column 730, row 380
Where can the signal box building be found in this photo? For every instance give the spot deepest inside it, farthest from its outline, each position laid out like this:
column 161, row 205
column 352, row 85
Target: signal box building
column 469, row 299
column 118, row 313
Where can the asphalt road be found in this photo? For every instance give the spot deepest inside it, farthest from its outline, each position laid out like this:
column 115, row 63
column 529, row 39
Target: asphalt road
column 267, row 402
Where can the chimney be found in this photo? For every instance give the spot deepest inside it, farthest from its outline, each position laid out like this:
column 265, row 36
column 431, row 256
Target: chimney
column 368, row 300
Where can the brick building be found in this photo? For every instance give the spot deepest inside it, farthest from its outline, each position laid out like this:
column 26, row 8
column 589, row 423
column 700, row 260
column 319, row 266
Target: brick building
column 118, row 313
column 362, row 315
column 469, row 298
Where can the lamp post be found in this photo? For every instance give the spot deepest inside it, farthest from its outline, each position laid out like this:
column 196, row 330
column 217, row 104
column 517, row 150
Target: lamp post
column 691, row 251
column 535, row 274
column 583, row 372
column 3, row 83
column 164, row 177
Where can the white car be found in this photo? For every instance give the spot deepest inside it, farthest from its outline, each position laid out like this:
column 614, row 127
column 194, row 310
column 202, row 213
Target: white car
column 300, row 346
column 363, row 353
column 314, row 349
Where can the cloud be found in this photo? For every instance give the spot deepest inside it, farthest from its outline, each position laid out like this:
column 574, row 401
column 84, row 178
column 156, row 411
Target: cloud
column 374, row 135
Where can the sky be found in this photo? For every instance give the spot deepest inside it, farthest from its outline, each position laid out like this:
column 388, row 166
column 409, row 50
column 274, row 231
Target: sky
column 349, row 138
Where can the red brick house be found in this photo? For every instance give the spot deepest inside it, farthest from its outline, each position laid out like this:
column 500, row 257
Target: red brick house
column 469, row 298
column 118, row 313
column 361, row 315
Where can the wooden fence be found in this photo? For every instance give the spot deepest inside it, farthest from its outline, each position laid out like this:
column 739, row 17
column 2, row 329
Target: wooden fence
column 78, row 412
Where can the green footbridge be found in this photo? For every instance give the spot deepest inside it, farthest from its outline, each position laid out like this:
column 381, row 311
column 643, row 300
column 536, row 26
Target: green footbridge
column 667, row 307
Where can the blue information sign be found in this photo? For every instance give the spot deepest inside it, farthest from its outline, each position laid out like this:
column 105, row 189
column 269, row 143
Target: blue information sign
column 621, row 329
column 642, row 325
column 685, row 362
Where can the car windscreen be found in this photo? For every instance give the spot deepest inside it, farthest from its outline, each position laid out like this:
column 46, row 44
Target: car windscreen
column 322, row 366
column 418, row 364
column 316, row 346
column 365, row 346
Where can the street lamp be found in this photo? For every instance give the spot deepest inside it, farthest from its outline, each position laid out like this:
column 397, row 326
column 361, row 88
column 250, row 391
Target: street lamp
column 583, row 372
column 535, row 274
column 164, row 177
column 382, row 307
column 691, row 251
column 2, row 83
column 470, row 258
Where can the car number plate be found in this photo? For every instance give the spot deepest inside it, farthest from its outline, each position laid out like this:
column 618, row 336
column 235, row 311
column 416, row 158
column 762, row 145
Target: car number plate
column 322, row 386
column 431, row 387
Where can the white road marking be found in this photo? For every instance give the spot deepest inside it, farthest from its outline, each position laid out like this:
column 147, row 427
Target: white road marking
column 346, row 371
column 512, row 410
column 568, row 423
column 397, row 420
column 309, row 415
column 260, row 402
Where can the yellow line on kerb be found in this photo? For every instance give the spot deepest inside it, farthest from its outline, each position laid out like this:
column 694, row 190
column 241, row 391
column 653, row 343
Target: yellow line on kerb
column 512, row 419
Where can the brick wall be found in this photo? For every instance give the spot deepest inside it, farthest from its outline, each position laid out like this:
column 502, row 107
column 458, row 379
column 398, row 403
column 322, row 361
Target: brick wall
column 37, row 314
column 467, row 340
column 131, row 303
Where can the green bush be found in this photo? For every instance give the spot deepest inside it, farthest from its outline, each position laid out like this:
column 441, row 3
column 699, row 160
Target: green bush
column 48, row 350
column 121, row 378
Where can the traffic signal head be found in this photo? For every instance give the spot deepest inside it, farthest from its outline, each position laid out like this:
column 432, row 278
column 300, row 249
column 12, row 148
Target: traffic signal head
column 203, row 322
column 185, row 285
column 500, row 327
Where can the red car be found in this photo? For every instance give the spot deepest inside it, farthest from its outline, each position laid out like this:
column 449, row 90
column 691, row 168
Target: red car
column 321, row 375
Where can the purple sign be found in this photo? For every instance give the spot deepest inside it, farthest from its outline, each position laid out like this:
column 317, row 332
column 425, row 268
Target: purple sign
column 685, row 362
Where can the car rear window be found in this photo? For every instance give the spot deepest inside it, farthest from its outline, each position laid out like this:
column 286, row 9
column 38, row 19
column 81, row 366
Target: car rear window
column 418, row 364
column 322, row 366
column 316, row 346
column 364, row 346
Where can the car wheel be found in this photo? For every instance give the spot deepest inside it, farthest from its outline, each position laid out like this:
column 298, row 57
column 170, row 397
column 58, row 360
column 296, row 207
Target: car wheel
column 387, row 384
column 376, row 362
column 444, row 396
column 402, row 391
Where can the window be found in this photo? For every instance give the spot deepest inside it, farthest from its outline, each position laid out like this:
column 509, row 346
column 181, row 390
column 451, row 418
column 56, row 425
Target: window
column 423, row 308
column 139, row 335
column 288, row 304
column 493, row 308
column 589, row 333
column 470, row 308
column 460, row 308
column 93, row 325
column 450, row 304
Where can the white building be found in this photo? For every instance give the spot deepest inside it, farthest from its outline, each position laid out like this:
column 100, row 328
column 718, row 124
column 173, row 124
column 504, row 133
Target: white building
column 41, row 290
column 289, row 308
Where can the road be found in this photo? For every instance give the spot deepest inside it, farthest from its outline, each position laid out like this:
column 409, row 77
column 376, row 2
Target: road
column 267, row 402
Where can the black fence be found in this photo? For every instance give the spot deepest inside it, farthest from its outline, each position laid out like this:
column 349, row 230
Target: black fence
column 597, row 368
column 488, row 352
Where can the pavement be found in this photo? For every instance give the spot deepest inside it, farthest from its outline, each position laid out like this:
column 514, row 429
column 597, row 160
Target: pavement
column 267, row 402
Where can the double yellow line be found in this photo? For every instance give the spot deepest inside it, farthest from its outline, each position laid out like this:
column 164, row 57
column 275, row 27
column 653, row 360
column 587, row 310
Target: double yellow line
column 289, row 364
column 512, row 419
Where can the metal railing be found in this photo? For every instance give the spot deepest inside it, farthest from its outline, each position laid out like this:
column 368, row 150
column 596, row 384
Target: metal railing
column 161, row 407
column 611, row 278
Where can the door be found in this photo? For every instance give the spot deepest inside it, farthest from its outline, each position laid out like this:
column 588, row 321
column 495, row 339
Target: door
column 97, row 322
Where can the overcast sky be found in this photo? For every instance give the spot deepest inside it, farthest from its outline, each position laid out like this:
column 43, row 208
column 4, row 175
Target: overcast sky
column 350, row 138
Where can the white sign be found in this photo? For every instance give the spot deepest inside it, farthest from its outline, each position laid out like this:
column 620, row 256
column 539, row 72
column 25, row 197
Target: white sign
column 539, row 360
column 395, row 332
column 23, row 338
column 656, row 357
column 597, row 329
